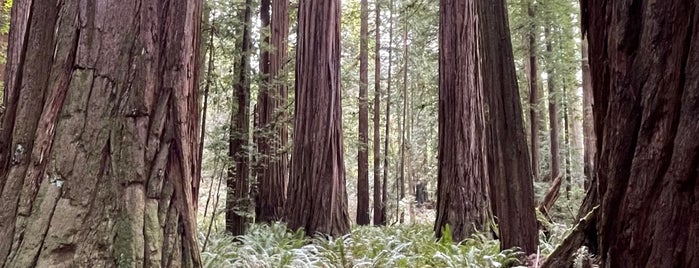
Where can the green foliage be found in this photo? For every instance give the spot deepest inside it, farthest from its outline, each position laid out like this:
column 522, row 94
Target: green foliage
column 398, row 246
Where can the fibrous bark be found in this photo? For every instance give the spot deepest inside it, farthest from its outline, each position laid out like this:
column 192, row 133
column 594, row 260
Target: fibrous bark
column 462, row 186
column 317, row 198
column 238, row 190
column 588, row 119
column 363, row 150
column 645, row 81
column 98, row 153
column 272, row 177
column 511, row 187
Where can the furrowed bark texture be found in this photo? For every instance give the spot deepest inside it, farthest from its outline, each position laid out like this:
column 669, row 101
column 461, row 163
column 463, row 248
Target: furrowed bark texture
column 99, row 141
column 274, row 175
column 363, row 150
column 238, row 192
column 462, row 185
column 588, row 120
column 644, row 62
column 511, row 188
column 317, row 198
column 378, row 200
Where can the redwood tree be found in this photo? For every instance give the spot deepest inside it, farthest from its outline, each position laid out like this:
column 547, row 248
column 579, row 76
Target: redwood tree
column 588, row 119
column 317, row 197
column 98, row 153
column 273, row 134
column 512, row 191
column 462, row 183
column 379, row 214
column 238, row 193
column 363, row 150
column 643, row 59
column 533, row 91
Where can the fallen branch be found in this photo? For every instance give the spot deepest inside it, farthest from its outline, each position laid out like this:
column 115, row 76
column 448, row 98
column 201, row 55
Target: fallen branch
column 564, row 254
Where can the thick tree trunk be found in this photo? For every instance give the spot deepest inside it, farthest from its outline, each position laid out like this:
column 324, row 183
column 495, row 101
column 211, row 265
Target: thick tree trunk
column 238, row 194
column 588, row 119
column 646, row 111
column 553, row 111
column 533, row 93
column 317, row 196
column 98, row 164
column 363, row 151
column 462, row 185
column 273, row 175
column 387, row 137
column 379, row 205
column 512, row 191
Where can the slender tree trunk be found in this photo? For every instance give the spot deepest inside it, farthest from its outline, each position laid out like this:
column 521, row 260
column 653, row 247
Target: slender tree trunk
column 207, row 86
column 553, row 111
column 363, row 152
column 238, row 194
column 646, row 109
column 98, row 153
column 588, row 119
column 566, row 135
column 317, row 196
column 388, row 113
column 462, row 185
column 404, row 128
column 379, row 205
column 509, row 169
column 533, row 92
column 272, row 132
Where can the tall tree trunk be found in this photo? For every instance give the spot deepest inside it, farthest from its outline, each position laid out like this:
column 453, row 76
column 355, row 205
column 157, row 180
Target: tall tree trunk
column 102, row 128
column 207, row 86
column 512, row 190
column 588, row 119
column 646, row 111
column 404, row 128
column 567, row 134
column 238, row 194
column 317, row 195
column 379, row 205
column 462, row 182
column 533, row 92
column 363, row 152
column 388, row 114
column 272, row 132
column 272, row 118
column 553, row 111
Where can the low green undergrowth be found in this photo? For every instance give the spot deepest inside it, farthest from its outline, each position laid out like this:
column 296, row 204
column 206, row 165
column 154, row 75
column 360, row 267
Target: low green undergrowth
column 395, row 246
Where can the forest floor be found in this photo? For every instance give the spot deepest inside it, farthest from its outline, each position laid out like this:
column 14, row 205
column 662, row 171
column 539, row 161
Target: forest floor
column 411, row 244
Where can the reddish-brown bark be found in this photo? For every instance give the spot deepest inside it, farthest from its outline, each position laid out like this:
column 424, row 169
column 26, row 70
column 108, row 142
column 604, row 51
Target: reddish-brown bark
column 533, row 92
column 272, row 133
column 553, row 109
column 317, row 199
column 590, row 143
column 509, row 170
column 462, row 186
column 98, row 153
column 238, row 185
column 645, row 81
